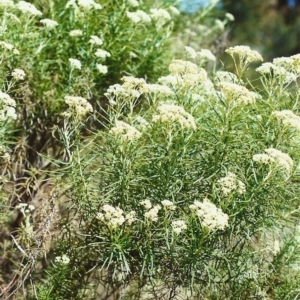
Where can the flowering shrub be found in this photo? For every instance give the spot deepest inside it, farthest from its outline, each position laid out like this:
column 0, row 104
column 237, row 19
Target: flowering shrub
column 163, row 181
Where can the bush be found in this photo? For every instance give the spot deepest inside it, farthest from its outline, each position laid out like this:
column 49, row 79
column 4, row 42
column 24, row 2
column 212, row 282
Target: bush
column 178, row 184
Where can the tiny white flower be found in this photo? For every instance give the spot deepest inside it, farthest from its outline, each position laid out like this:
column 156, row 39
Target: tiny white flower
column 75, row 63
column 95, row 40
column 50, row 24
column 75, row 32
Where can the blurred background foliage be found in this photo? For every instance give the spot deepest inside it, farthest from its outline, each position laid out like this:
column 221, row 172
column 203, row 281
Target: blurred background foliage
column 272, row 26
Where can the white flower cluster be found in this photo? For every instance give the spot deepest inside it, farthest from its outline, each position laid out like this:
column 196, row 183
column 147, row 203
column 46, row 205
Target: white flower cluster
column 160, row 16
column 151, row 212
column 276, row 157
column 75, row 63
column 133, row 3
column 168, row 205
column 230, row 183
column 114, row 216
column 141, row 123
column 138, row 17
column 191, row 52
column 178, row 226
column 83, row 4
column 8, row 46
column 205, row 54
column 18, row 74
column 170, row 113
column 209, row 215
column 125, row 131
column 156, row 89
column 75, row 32
column 49, row 24
column 184, row 74
column 180, row 67
column 102, row 68
column 78, row 105
column 95, row 40
column 64, row 260
column 276, row 71
column 291, row 64
column 7, row 107
column 102, row 53
column 239, row 94
column 28, row 8
column 287, row 118
column 245, row 53
column 7, row 3
column 132, row 82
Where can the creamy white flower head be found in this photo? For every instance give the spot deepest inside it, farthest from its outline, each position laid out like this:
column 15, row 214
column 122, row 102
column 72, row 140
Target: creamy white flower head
column 190, row 52
column 8, row 107
column 64, row 260
column 171, row 80
column 114, row 91
column 287, row 118
column 133, row 17
column 6, row 46
column 141, row 123
column 95, row 40
column 220, row 25
column 75, row 32
column 168, row 204
column 133, row 3
column 78, row 106
column 7, row 100
column 18, row 74
column 244, row 53
column 276, row 158
column 131, row 83
column 209, row 215
column 277, row 71
column 125, row 131
column 230, row 183
column 229, row 16
column 146, row 203
column 174, row 115
column 160, row 14
column 114, row 217
column 102, row 68
column 28, row 8
column 130, row 217
column 159, row 89
column 237, row 93
column 138, row 17
column 152, row 214
column 7, row 3
column 179, row 67
column 75, row 63
column 102, row 53
column 88, row 4
column 50, row 24
column 206, row 54
column 178, row 226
